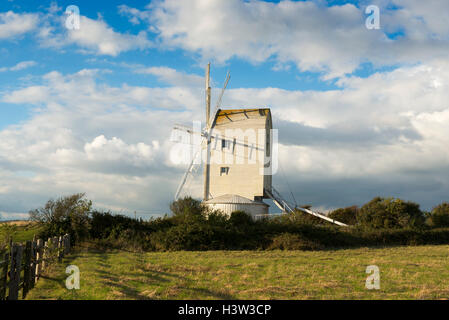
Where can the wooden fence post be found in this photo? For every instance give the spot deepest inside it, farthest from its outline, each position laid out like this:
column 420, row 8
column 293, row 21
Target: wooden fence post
column 14, row 272
column 27, row 269
column 33, row 258
column 33, row 262
column 39, row 259
column 50, row 249
column 54, row 242
column 44, row 255
column 4, row 277
column 60, row 249
column 68, row 243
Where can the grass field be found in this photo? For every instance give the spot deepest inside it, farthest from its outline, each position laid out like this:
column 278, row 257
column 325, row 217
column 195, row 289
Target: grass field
column 19, row 230
column 420, row 272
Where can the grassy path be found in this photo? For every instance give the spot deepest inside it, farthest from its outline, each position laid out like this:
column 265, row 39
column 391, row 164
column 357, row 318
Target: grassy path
column 420, row 272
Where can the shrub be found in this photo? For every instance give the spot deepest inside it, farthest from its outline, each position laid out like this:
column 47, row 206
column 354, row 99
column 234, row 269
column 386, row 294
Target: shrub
column 65, row 215
column 439, row 216
column 240, row 219
column 194, row 227
column 382, row 213
column 186, row 236
column 301, row 217
column 106, row 225
column 346, row 215
column 288, row 241
column 187, row 208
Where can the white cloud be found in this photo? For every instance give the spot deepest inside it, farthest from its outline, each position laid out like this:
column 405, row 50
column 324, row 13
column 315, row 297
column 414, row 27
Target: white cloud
column 23, row 65
column 104, row 150
column 332, row 40
column 381, row 134
column 94, row 36
column 172, row 76
column 81, row 89
column 13, row 25
column 419, row 20
column 97, row 35
column 135, row 16
column 32, row 94
column 110, row 142
column 19, row 66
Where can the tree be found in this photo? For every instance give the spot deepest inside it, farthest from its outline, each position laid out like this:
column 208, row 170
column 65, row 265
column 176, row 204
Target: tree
column 346, row 215
column 185, row 206
column 68, row 214
column 390, row 213
column 439, row 216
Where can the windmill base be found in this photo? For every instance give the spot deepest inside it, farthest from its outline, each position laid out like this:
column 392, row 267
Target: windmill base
column 230, row 203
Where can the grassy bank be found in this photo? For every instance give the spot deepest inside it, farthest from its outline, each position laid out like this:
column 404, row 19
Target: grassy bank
column 19, row 230
column 416, row 272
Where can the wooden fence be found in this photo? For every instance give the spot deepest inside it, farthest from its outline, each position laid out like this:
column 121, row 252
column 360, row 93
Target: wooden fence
column 21, row 267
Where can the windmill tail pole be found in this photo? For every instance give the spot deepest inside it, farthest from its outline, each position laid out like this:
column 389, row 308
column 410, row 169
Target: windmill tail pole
column 282, row 204
column 322, row 217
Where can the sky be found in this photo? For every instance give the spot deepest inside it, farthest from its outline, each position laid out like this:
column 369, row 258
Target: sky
column 361, row 112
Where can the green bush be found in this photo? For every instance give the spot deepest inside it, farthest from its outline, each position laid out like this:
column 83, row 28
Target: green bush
column 346, row 215
column 240, row 219
column 390, row 213
column 439, row 217
column 289, row 241
column 194, row 227
column 186, row 236
column 301, row 217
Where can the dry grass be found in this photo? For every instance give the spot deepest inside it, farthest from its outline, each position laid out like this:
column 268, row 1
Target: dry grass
column 17, row 222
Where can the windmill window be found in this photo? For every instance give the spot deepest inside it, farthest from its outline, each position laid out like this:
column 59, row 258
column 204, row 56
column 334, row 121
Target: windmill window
column 224, row 171
column 225, row 144
column 267, row 145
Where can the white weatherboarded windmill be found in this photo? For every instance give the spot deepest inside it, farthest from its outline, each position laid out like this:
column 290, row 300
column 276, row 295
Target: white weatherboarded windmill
column 236, row 147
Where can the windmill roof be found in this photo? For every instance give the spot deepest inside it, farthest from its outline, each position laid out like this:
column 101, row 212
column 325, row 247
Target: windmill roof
column 233, row 198
column 226, row 115
column 235, row 111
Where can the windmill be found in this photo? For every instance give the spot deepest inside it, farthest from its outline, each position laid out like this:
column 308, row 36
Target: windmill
column 238, row 159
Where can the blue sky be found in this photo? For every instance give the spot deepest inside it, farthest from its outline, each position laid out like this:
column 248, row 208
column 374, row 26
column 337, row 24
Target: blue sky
column 355, row 107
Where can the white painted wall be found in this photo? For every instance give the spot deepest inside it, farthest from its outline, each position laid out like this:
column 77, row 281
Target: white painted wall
column 244, row 177
column 251, row 209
